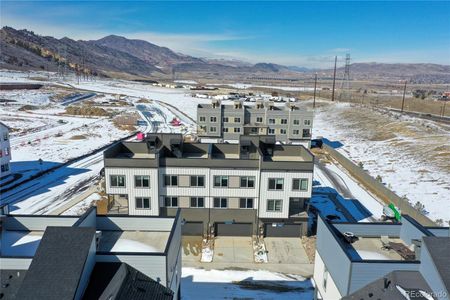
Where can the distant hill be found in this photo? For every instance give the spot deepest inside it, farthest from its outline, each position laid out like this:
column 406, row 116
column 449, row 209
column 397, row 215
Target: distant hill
column 117, row 56
column 416, row 73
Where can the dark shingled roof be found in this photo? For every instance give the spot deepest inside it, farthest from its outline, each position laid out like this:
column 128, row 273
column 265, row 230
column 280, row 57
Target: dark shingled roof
column 10, row 281
column 391, row 287
column 439, row 248
column 120, row 281
column 58, row 264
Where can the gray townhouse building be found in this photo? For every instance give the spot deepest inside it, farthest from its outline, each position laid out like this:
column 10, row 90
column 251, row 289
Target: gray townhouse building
column 381, row 260
column 289, row 123
column 254, row 187
column 90, row 257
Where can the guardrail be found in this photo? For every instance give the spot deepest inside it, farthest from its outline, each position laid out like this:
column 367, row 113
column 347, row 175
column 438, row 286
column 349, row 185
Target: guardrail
column 378, row 188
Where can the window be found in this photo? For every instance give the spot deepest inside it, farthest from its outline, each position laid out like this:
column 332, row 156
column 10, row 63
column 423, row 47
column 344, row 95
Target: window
column 296, row 132
column 117, row 180
column 274, row 205
column 212, row 129
column 202, row 119
column 307, row 122
column 197, row 180
column 259, row 120
column 296, row 122
column 325, row 278
column 220, row 181
column 247, row 181
column 283, row 121
column 237, row 120
column 5, row 136
column 271, row 121
column 220, row 202
column 237, row 129
column 142, row 181
column 213, row 119
column 225, row 119
column 6, row 151
column 271, row 131
column 142, row 203
column 300, row 184
column 276, row 184
column 246, row 203
column 197, row 202
column 306, row 133
column 282, row 131
column 170, row 180
column 225, row 129
column 254, row 130
column 5, row 167
column 171, row 201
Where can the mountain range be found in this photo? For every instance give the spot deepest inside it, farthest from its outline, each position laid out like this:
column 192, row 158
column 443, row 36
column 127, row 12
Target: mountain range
column 117, row 56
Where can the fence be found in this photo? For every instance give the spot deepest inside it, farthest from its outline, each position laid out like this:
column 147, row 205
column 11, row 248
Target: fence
column 378, row 188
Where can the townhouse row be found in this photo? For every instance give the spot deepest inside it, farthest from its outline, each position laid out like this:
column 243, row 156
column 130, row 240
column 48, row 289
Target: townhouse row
column 254, row 187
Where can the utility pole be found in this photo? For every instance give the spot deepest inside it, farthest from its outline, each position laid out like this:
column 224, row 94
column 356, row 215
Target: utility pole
column 334, row 78
column 315, row 88
column 404, row 92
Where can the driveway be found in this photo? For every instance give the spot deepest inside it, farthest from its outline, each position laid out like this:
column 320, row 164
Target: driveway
column 192, row 248
column 285, row 251
column 233, row 250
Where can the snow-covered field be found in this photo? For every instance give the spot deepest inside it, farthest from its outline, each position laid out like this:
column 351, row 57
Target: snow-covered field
column 411, row 155
column 231, row 284
column 247, row 86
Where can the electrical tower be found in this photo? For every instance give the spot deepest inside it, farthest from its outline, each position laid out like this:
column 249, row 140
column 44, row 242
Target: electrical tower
column 345, row 85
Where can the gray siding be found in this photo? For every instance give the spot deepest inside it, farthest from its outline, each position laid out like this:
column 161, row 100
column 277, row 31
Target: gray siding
column 88, row 267
column 333, row 256
column 89, row 219
column 370, row 230
column 430, row 273
column 36, row 223
column 174, row 259
column 409, row 231
column 444, row 232
column 364, row 273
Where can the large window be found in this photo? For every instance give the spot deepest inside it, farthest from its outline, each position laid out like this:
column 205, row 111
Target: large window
column 283, row 121
column 296, row 122
column 237, row 120
column 246, row 202
column 117, row 180
column 300, row 184
column 247, row 181
column 306, row 133
column 142, row 203
column 171, row 201
column 213, row 119
column 198, row 181
column 170, row 180
column 271, row 131
column 237, row 129
column 282, row 131
column 271, row 121
column 142, row 181
column 202, row 119
column 225, row 129
column 295, row 132
column 276, row 184
column 213, row 129
column 225, row 119
column 197, row 202
column 221, row 181
column 220, row 202
column 274, row 205
column 307, row 122
column 259, row 119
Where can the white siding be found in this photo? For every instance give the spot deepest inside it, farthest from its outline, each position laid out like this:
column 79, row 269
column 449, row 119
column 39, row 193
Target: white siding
column 137, row 223
column 7, row 263
column 184, row 191
column 284, row 194
column 133, row 192
column 331, row 292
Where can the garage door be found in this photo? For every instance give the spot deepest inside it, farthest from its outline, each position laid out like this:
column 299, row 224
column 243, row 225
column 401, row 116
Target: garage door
column 236, row 229
column 286, row 230
column 192, row 228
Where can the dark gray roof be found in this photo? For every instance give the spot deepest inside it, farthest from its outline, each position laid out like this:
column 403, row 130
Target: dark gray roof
column 58, row 264
column 392, row 286
column 10, row 281
column 120, row 281
column 439, row 248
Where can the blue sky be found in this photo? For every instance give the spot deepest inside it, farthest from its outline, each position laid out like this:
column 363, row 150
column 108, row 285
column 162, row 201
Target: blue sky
column 291, row 33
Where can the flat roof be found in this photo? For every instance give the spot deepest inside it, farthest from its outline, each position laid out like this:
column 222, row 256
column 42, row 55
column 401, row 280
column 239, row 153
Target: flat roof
column 374, row 248
column 133, row 241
